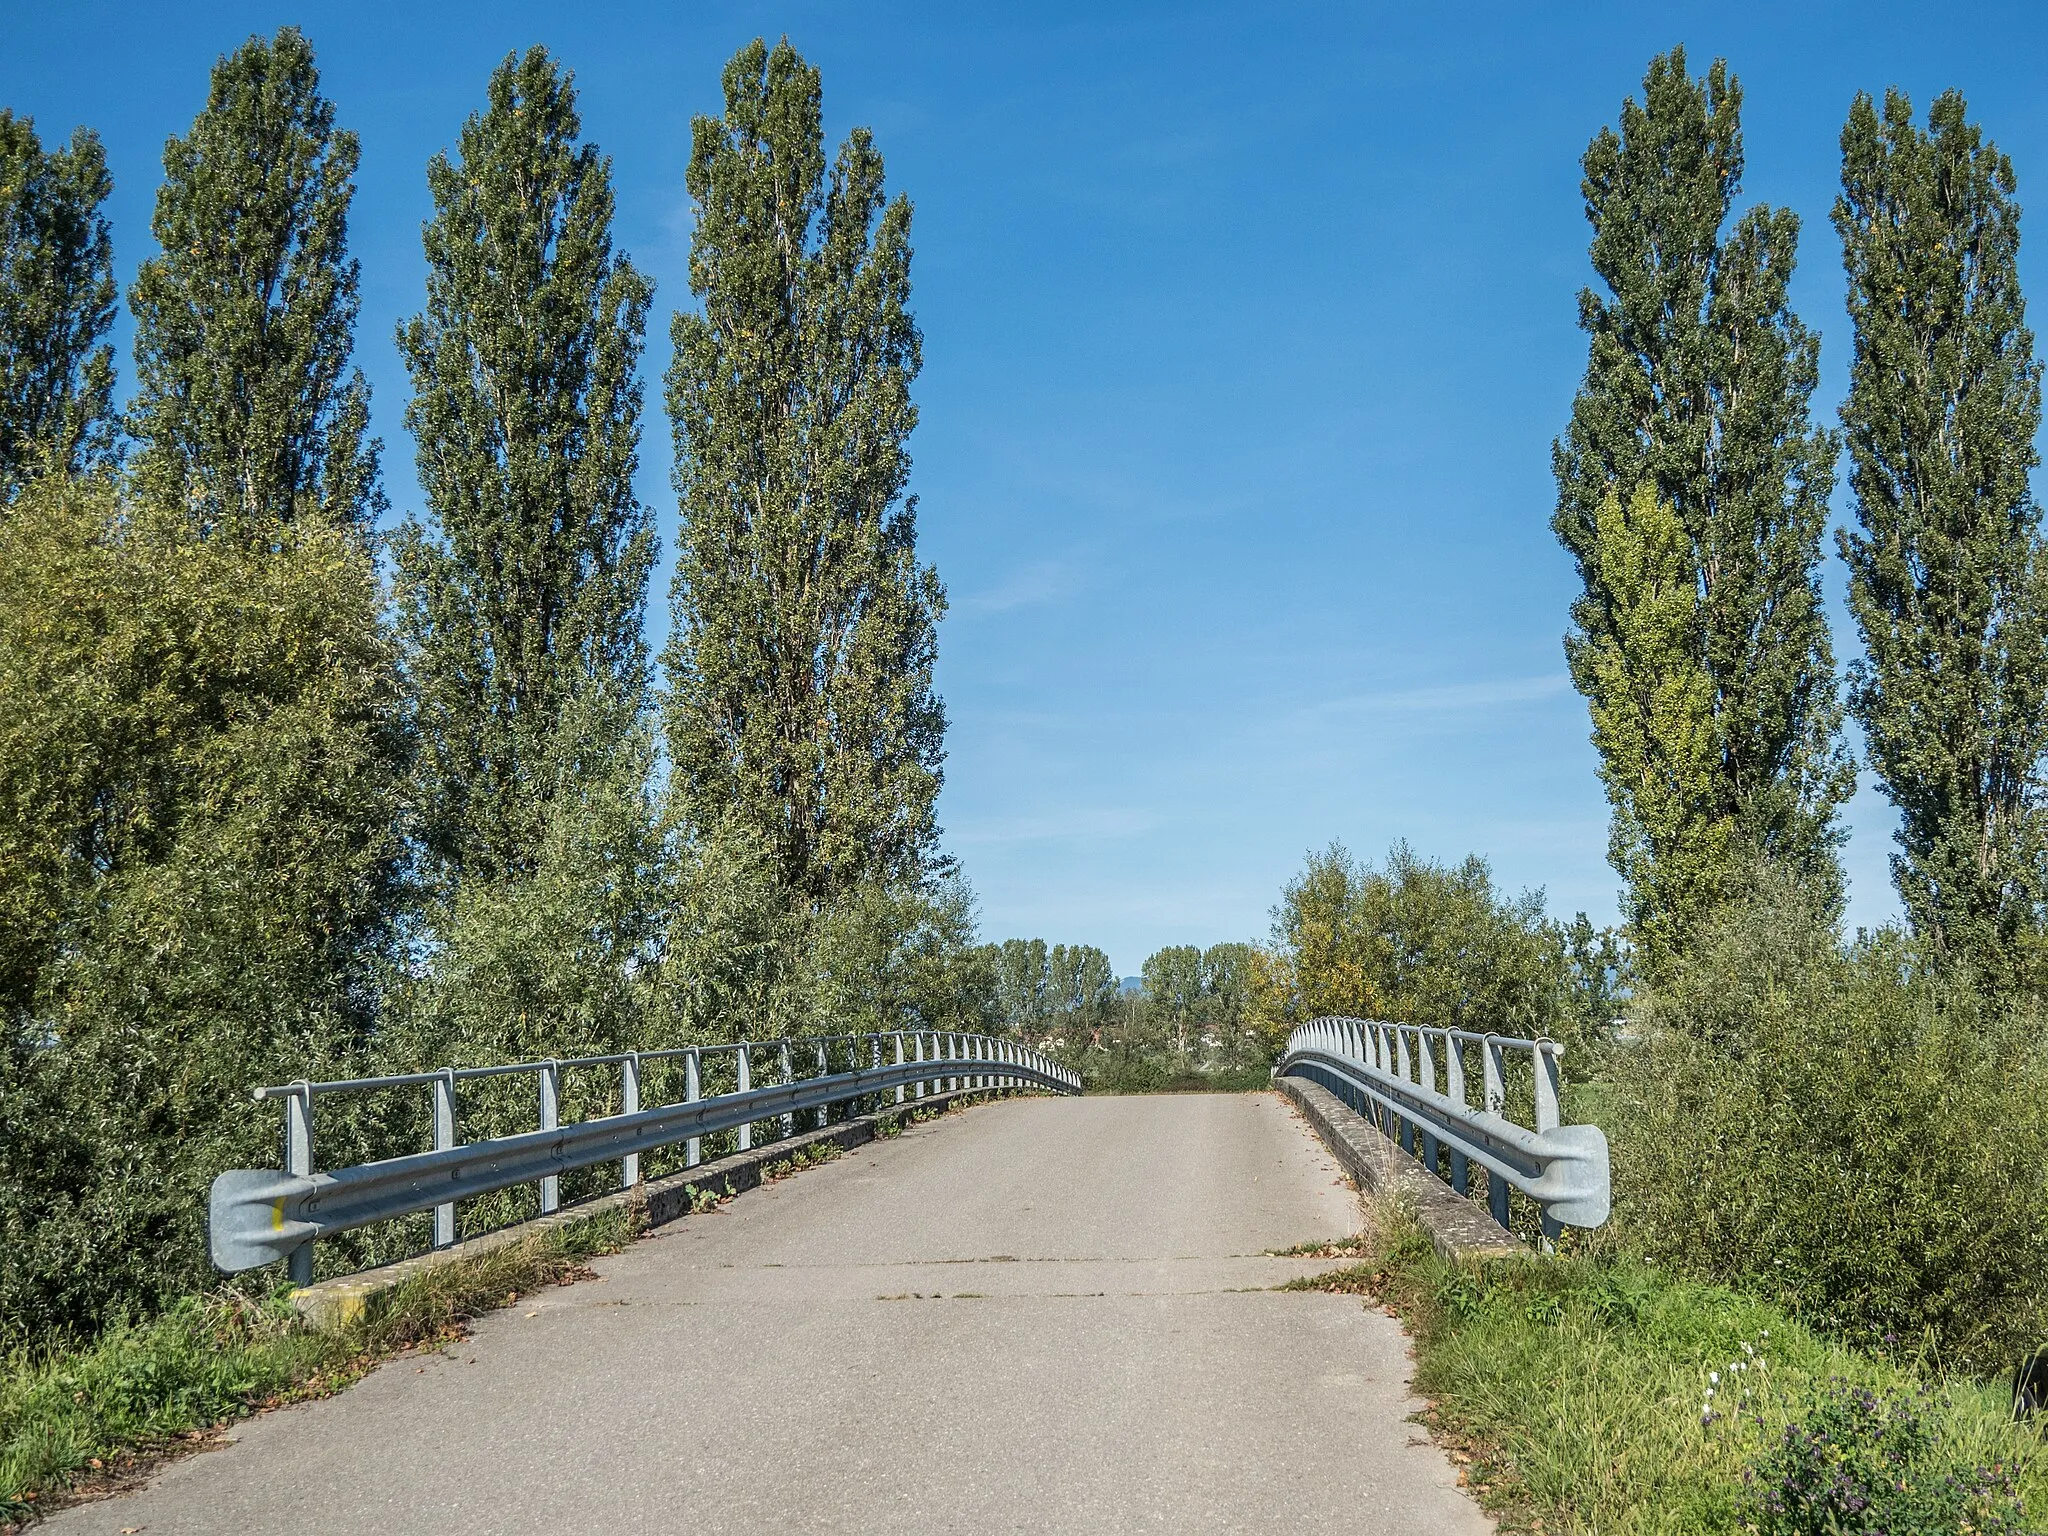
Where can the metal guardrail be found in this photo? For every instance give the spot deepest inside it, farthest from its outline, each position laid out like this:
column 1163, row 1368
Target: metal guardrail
column 257, row 1216
column 1390, row 1073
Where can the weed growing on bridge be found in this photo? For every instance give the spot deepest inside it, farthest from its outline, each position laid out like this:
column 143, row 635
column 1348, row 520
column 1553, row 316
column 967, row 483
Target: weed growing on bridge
column 802, row 1158
column 1574, row 1392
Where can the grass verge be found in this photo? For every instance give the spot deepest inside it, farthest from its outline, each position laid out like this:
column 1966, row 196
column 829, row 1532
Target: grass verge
column 77, row 1423
column 1575, row 1394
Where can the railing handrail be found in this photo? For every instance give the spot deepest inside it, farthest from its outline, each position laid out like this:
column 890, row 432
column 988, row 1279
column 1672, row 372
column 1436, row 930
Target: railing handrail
column 258, row 1216
column 1563, row 1168
column 616, row 1058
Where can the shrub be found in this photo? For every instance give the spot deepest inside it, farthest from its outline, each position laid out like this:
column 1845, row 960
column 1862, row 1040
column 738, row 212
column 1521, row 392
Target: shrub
column 198, row 758
column 1860, row 1461
column 1839, row 1130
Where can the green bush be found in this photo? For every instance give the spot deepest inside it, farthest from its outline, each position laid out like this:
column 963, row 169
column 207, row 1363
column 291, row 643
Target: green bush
column 199, row 752
column 1858, row 1460
column 1842, row 1131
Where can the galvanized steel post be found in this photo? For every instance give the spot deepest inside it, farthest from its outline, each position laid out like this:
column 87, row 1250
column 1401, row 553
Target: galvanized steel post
column 693, row 1089
column 899, row 1062
column 444, row 1137
column 298, row 1159
column 1407, row 1074
column 1454, row 1086
column 550, row 1119
column 1494, row 1057
column 1426, row 1055
column 788, row 1077
column 824, row 1070
column 1545, row 1057
column 746, row 1081
column 629, row 1099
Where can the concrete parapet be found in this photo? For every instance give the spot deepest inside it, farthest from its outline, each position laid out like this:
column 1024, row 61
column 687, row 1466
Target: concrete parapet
column 1458, row 1228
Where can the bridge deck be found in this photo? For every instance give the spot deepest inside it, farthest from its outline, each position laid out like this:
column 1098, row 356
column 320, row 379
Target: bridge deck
column 1043, row 1315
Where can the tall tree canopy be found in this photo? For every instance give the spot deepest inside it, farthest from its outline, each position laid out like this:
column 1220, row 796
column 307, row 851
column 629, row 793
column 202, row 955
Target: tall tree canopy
column 800, row 705
column 56, row 305
column 1697, row 385
column 526, row 409
column 1947, row 576
column 247, row 410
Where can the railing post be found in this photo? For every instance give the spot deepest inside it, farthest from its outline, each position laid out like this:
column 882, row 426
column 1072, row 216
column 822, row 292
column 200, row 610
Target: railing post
column 917, row 1044
column 1548, row 1084
column 788, row 1077
column 629, row 1103
column 824, row 1070
column 1549, row 1090
column 1454, row 1086
column 1494, row 1088
column 693, row 1090
column 899, row 1062
column 1427, row 1054
column 298, row 1161
column 446, row 1135
column 550, row 1119
column 746, row 1085
column 1407, row 1075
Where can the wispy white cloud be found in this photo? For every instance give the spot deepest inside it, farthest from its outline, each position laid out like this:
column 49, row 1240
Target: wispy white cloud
column 1069, row 826
column 1040, row 581
column 1452, row 698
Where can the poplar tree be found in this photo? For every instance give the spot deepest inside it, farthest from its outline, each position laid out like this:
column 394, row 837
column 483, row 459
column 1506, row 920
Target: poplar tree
column 800, row 711
column 1651, row 704
column 1947, row 574
column 247, row 409
column 525, row 602
column 1697, row 385
column 56, row 305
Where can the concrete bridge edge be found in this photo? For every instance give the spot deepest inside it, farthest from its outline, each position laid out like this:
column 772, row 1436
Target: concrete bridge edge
column 1458, row 1228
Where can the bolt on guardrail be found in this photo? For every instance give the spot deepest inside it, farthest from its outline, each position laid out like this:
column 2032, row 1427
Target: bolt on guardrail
column 257, row 1216
column 1390, row 1074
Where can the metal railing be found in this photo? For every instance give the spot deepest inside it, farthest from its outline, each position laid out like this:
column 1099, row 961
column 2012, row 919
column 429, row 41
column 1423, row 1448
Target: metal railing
column 1390, row 1074
column 260, row 1215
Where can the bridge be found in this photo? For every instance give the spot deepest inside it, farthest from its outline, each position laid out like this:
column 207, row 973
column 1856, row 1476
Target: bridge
column 1041, row 1314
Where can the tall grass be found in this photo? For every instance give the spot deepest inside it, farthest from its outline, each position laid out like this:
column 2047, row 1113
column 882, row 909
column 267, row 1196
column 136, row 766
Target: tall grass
column 1599, row 1395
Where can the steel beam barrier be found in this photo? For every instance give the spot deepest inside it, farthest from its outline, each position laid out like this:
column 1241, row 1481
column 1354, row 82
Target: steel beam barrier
column 260, row 1215
column 1370, row 1065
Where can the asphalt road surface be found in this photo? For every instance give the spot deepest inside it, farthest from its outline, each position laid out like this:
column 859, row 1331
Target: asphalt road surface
column 1039, row 1315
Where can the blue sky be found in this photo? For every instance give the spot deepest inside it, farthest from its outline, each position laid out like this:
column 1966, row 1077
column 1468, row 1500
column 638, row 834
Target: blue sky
column 1247, row 331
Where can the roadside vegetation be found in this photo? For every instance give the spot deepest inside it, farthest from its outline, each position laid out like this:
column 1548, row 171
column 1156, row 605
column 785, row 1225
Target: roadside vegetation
column 1607, row 1394
column 77, row 1421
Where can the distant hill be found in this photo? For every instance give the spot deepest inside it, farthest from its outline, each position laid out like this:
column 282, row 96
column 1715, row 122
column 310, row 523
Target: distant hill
column 1131, row 984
